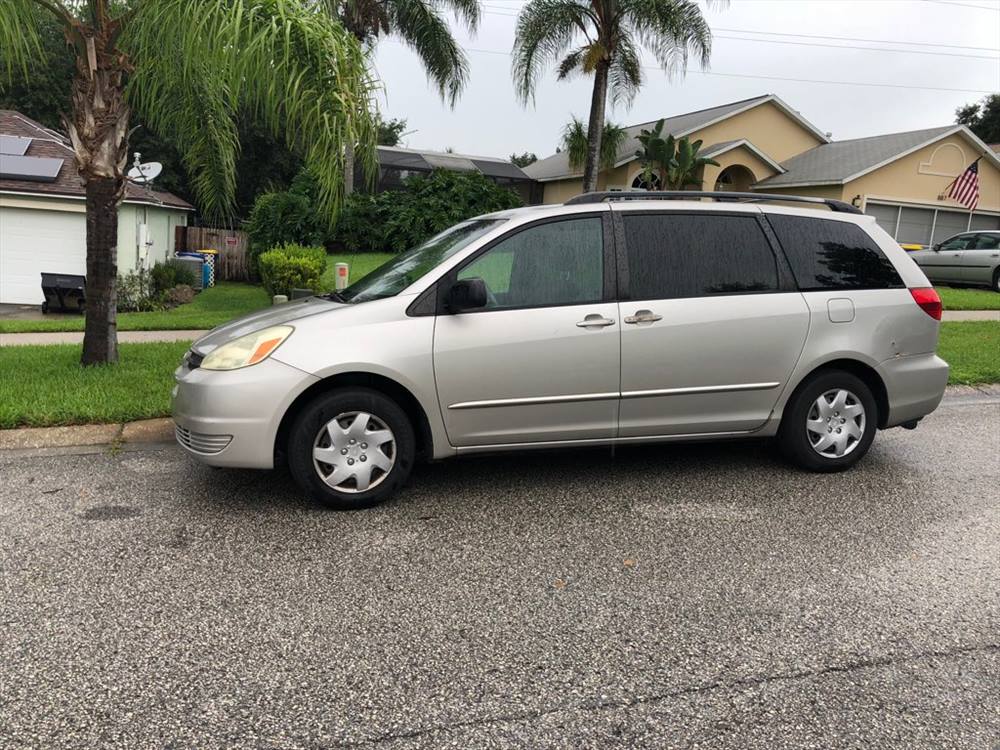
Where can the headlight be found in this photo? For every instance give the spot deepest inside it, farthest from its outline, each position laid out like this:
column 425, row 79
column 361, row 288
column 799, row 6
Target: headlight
column 247, row 350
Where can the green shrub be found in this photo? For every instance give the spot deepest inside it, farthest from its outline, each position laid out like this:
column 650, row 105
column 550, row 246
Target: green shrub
column 165, row 276
column 135, row 292
column 428, row 204
column 290, row 266
column 286, row 217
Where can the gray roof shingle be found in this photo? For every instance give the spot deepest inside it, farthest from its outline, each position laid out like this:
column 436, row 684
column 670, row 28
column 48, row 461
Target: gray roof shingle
column 834, row 162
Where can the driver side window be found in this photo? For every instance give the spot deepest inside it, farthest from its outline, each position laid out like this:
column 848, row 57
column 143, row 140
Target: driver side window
column 557, row 263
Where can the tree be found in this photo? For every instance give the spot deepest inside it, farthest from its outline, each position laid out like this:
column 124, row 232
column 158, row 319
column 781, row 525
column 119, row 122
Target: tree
column 390, row 131
column 687, row 165
column 612, row 32
column 186, row 67
column 523, row 160
column 576, row 142
column 982, row 118
column 420, row 26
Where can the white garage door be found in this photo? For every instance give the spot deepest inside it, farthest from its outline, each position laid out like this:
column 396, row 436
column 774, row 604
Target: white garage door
column 33, row 242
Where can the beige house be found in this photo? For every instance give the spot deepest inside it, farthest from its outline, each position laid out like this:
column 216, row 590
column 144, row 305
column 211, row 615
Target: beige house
column 764, row 145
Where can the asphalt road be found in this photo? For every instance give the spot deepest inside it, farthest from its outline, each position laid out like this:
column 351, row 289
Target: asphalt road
column 700, row 596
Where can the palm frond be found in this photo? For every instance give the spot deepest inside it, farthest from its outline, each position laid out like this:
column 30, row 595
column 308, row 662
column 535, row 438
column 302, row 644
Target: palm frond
column 670, row 29
column 574, row 143
column 421, row 27
column 625, row 73
column 545, row 30
column 571, row 64
column 19, row 41
column 297, row 71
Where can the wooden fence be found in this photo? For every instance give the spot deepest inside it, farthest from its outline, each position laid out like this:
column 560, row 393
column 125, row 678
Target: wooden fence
column 233, row 260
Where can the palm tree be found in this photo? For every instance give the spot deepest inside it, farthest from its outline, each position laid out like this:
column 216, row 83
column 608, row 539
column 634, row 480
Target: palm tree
column 611, row 32
column 185, row 67
column 575, row 142
column 420, row 25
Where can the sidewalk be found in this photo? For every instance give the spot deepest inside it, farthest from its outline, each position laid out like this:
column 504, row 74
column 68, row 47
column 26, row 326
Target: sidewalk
column 76, row 337
column 963, row 315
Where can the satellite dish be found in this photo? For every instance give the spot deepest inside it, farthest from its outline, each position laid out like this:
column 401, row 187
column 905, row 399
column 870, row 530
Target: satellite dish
column 145, row 172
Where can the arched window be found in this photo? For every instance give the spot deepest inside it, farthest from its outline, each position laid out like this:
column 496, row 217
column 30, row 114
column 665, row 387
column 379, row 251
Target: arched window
column 640, row 183
column 735, row 178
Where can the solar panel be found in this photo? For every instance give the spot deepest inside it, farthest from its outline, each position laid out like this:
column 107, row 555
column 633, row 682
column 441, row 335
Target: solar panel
column 34, row 168
column 14, row 145
column 492, row 168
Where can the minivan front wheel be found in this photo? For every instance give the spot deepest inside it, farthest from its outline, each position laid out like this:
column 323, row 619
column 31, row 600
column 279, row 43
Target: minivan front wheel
column 830, row 422
column 351, row 448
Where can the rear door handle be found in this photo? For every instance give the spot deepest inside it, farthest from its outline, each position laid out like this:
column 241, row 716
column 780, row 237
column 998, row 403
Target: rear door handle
column 595, row 321
column 643, row 316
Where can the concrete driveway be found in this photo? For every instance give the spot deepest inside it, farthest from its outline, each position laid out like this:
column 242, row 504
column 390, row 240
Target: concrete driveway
column 701, row 596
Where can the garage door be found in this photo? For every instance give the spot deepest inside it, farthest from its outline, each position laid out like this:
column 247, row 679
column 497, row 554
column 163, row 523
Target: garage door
column 33, row 242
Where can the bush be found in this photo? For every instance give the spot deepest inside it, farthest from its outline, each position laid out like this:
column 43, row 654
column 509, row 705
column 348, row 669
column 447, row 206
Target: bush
column 136, row 293
column 179, row 295
column 165, row 276
column 428, row 204
column 286, row 217
column 290, row 267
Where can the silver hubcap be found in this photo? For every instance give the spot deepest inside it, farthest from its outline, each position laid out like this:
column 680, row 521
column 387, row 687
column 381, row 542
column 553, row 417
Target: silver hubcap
column 835, row 423
column 354, row 452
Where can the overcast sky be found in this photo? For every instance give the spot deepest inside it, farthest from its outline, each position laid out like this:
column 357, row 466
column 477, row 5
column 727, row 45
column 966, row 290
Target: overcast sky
column 489, row 120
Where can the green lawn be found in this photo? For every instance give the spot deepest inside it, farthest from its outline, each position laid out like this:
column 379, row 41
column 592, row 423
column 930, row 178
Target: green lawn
column 973, row 351
column 45, row 385
column 216, row 305
column 968, row 299
column 361, row 264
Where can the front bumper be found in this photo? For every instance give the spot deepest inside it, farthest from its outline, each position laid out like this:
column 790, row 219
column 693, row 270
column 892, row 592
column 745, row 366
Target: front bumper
column 231, row 418
column 915, row 386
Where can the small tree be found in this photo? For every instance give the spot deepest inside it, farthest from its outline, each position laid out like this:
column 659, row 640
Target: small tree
column 675, row 163
column 982, row 118
column 523, row 160
column 576, row 144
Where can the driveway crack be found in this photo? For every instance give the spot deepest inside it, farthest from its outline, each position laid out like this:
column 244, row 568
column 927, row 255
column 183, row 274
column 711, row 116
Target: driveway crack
column 739, row 684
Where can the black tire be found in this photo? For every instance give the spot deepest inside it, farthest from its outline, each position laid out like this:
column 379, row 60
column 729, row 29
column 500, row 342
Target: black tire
column 317, row 414
column 793, row 438
column 996, row 280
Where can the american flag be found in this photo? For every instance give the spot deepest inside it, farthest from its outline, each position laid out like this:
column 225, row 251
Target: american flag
column 965, row 188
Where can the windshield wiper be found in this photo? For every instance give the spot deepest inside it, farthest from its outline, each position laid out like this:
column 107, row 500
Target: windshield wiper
column 335, row 296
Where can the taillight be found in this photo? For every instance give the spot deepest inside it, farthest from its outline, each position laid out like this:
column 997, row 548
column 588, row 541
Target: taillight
column 929, row 302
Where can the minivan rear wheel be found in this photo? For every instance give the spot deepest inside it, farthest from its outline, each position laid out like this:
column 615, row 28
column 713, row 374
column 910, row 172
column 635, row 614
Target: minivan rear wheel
column 829, row 423
column 351, row 448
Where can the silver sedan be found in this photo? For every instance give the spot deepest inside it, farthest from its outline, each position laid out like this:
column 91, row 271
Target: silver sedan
column 968, row 258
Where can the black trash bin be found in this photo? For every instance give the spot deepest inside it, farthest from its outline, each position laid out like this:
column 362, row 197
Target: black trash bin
column 63, row 292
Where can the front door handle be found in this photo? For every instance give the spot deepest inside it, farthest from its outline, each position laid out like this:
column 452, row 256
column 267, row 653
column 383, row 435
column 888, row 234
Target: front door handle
column 643, row 316
column 595, row 321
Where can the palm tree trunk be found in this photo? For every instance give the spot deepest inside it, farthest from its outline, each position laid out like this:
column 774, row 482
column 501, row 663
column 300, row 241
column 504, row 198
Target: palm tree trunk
column 98, row 131
column 595, row 127
column 100, row 337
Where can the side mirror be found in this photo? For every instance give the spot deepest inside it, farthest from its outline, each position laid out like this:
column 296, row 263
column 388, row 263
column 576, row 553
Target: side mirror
column 466, row 294
column 936, row 247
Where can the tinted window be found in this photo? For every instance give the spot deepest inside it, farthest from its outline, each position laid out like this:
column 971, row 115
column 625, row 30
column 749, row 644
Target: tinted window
column 956, row 243
column 986, row 242
column 558, row 263
column 827, row 254
column 693, row 255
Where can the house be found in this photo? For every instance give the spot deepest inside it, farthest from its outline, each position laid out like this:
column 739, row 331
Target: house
column 762, row 144
column 43, row 215
column 395, row 164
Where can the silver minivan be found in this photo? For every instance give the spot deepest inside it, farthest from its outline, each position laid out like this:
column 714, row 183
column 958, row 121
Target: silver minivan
column 613, row 318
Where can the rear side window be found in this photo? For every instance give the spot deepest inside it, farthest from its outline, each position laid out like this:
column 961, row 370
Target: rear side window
column 672, row 256
column 827, row 254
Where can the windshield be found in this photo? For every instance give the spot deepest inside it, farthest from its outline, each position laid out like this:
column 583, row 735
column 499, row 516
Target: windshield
column 392, row 277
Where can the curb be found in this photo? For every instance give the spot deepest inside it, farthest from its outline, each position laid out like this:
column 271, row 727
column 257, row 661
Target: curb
column 74, row 436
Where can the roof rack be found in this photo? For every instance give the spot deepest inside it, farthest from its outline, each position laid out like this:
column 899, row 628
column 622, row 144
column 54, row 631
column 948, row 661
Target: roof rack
column 667, row 195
